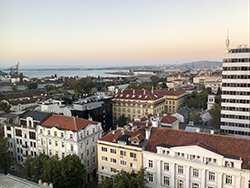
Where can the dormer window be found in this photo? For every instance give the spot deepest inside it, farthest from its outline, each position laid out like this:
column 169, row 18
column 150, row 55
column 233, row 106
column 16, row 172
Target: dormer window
column 229, row 164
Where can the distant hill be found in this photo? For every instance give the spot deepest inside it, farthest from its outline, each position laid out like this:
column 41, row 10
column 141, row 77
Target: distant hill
column 201, row 65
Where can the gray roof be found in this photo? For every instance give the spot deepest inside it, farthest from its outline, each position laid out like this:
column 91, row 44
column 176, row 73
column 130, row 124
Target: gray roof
column 10, row 181
column 38, row 116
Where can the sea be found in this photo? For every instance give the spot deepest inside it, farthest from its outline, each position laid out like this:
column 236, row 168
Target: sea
column 40, row 73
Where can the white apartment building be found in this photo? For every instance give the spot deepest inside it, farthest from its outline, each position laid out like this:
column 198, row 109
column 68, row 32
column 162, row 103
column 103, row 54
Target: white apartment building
column 54, row 106
column 65, row 135
column 235, row 105
column 22, row 135
column 180, row 159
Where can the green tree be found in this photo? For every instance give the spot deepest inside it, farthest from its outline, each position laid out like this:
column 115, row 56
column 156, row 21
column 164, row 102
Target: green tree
column 68, row 172
column 4, row 106
column 4, row 156
column 125, row 180
column 121, row 121
column 32, row 85
column 83, row 86
column 216, row 115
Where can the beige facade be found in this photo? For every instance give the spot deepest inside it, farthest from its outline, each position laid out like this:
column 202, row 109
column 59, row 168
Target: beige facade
column 120, row 150
column 136, row 104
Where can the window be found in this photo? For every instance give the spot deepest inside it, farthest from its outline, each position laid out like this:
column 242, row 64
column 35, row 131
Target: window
column 124, row 163
column 71, row 136
column 150, row 163
column 87, row 152
column 104, row 168
column 71, row 147
column 113, row 151
column 104, row 158
column 195, row 185
column 195, row 172
column 180, row 170
column 166, row 180
column 81, row 155
column 63, row 155
column 62, row 135
column 62, row 144
column 133, row 155
column 123, row 153
column 104, row 149
column 48, row 132
column 166, row 166
column 113, row 170
column 112, row 160
column 32, row 135
column 180, row 184
column 49, row 142
column 150, row 177
column 211, row 176
column 87, row 141
column 229, row 179
column 56, row 143
column 55, row 133
column 18, row 132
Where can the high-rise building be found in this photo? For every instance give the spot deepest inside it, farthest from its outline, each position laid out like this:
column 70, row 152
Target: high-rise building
column 235, row 104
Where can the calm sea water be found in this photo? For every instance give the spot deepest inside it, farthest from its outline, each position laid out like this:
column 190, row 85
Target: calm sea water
column 72, row 73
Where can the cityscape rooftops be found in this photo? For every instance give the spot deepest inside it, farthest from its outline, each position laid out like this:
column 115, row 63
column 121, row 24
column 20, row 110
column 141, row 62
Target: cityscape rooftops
column 67, row 122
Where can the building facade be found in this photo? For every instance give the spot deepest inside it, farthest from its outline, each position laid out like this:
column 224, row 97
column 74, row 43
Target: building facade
column 137, row 103
column 65, row 135
column 120, row 150
column 173, row 99
column 180, row 159
column 235, row 108
column 21, row 131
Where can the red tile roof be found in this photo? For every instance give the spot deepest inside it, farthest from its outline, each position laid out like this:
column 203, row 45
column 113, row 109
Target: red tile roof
column 225, row 145
column 138, row 94
column 165, row 92
column 113, row 136
column 168, row 119
column 67, row 122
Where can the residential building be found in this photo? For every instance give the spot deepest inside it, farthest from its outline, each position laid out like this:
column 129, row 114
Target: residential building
column 21, row 131
column 61, row 135
column 137, row 103
column 120, row 149
column 169, row 122
column 10, row 181
column 98, row 107
column 54, row 106
column 173, row 99
column 181, row 159
column 235, row 108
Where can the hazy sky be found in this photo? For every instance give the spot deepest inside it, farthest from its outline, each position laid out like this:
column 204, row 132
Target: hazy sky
column 118, row 32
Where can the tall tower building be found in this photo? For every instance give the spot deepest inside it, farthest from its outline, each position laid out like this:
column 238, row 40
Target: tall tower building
column 235, row 104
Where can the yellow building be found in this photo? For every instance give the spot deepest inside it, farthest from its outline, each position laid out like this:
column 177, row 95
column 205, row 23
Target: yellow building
column 173, row 99
column 137, row 103
column 120, row 150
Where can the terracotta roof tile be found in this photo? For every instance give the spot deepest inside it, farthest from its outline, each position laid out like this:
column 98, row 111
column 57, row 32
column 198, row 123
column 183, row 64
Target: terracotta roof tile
column 225, row 145
column 67, row 122
column 168, row 119
column 138, row 94
column 164, row 92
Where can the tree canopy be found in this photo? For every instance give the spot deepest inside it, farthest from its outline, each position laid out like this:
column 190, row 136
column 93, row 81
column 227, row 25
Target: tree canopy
column 68, row 172
column 198, row 99
column 121, row 121
column 4, row 156
column 125, row 180
column 4, row 106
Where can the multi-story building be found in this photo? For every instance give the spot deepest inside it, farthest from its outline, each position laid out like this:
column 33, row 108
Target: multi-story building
column 61, row 135
column 99, row 108
column 235, row 108
column 21, row 131
column 137, row 103
column 120, row 149
column 173, row 99
column 181, row 159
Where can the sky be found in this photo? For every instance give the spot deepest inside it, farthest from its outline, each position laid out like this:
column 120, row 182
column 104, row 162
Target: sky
column 116, row 32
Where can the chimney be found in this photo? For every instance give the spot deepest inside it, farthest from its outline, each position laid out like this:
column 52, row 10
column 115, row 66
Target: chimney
column 148, row 132
column 133, row 91
column 152, row 90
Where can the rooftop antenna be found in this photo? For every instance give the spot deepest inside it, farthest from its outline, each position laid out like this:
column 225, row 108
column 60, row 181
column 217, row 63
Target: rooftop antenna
column 227, row 40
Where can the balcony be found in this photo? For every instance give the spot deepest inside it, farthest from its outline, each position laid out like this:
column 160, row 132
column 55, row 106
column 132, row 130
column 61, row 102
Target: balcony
column 25, row 147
